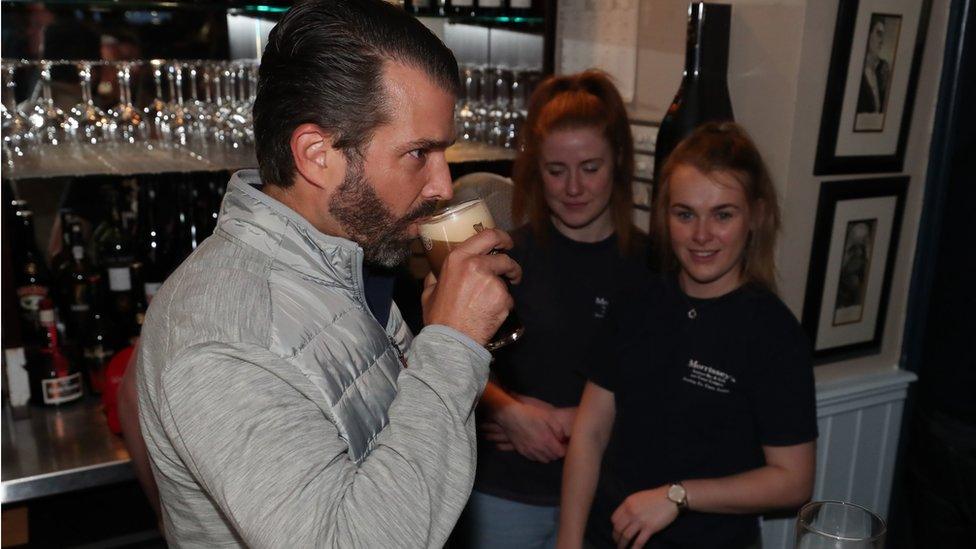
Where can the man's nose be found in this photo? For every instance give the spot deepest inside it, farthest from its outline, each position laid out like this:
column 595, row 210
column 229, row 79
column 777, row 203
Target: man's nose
column 439, row 186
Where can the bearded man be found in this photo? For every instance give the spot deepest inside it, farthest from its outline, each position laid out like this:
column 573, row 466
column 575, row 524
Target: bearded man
column 283, row 400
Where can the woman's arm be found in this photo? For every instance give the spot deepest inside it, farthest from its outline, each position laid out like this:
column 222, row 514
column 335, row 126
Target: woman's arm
column 591, row 432
column 785, row 481
column 534, row 431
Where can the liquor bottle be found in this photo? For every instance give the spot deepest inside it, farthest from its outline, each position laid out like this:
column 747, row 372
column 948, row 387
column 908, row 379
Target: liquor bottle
column 76, row 281
column 54, row 379
column 100, row 342
column 151, row 254
column 32, row 281
column 704, row 92
column 184, row 238
column 117, row 255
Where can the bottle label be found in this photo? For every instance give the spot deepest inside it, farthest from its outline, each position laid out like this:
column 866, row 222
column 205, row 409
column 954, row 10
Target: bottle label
column 462, row 3
column 490, row 4
column 151, row 288
column 119, row 279
column 520, row 4
column 31, row 297
column 46, row 316
column 61, row 389
column 78, row 252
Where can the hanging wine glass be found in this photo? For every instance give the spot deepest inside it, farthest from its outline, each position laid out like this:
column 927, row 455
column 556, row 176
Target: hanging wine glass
column 243, row 103
column 497, row 126
column 230, row 124
column 18, row 133
column 47, row 119
column 200, row 114
column 517, row 112
column 157, row 113
column 86, row 123
column 468, row 120
column 127, row 122
column 180, row 120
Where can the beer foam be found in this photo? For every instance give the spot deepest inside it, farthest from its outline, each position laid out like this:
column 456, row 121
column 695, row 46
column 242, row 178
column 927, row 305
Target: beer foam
column 457, row 223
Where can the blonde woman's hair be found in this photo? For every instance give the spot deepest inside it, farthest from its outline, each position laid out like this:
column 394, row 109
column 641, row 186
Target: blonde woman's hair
column 725, row 147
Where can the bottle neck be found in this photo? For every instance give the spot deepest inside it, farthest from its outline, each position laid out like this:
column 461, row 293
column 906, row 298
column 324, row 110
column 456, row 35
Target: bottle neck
column 707, row 49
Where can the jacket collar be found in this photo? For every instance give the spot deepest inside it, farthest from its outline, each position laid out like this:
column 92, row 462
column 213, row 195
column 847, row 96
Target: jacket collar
column 258, row 220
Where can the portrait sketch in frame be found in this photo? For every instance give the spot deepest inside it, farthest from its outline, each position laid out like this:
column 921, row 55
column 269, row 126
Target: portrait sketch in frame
column 854, row 247
column 855, row 268
column 880, row 55
column 871, row 83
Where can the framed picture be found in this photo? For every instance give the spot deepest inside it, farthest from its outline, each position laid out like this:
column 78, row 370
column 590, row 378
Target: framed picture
column 871, row 85
column 854, row 246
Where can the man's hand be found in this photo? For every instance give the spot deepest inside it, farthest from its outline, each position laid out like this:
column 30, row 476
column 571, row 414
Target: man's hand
column 642, row 515
column 470, row 294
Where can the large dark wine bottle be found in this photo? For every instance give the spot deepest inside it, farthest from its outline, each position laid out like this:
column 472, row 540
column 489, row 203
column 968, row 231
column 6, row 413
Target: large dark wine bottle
column 704, row 92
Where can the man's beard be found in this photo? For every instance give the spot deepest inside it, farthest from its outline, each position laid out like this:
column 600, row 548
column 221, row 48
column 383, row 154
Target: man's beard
column 368, row 222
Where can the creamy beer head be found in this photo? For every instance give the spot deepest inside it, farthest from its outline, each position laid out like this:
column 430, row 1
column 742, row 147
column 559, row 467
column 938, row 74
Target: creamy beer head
column 447, row 228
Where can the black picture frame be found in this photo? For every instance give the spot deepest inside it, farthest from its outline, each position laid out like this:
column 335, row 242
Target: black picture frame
column 827, row 161
column 824, row 291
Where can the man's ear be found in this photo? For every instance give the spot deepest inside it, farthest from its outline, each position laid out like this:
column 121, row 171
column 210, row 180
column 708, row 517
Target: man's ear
column 311, row 149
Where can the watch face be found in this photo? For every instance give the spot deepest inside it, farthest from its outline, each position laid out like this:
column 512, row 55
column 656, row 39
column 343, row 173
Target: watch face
column 676, row 493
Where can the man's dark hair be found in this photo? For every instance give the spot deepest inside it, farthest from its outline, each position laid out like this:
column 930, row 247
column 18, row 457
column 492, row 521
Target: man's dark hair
column 324, row 65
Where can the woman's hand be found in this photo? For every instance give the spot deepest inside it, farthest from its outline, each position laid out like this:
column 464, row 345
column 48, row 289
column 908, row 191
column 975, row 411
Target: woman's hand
column 563, row 417
column 642, row 515
column 533, row 430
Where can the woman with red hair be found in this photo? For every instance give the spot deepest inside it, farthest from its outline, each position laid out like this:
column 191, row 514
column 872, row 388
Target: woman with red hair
column 578, row 248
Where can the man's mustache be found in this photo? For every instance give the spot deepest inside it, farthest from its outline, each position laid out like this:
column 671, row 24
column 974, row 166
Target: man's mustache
column 426, row 209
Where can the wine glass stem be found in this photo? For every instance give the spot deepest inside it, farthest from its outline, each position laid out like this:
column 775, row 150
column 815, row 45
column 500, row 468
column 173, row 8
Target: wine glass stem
column 84, row 76
column 9, row 89
column 46, row 83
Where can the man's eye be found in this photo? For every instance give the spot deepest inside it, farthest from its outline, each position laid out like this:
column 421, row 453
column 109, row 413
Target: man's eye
column 419, row 154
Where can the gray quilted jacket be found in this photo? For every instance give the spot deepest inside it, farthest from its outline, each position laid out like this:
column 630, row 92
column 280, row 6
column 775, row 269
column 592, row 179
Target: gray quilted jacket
column 276, row 409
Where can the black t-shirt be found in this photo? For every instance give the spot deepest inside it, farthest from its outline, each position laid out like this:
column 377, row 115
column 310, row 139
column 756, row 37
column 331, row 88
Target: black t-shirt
column 567, row 291
column 697, row 396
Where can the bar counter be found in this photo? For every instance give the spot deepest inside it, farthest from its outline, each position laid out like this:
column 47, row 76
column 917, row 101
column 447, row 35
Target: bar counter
column 60, row 450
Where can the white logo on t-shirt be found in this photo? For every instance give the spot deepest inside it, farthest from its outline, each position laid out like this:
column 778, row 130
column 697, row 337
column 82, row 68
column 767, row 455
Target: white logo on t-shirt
column 602, row 304
column 709, row 378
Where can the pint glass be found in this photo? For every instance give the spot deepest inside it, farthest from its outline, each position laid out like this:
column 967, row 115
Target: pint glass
column 447, row 229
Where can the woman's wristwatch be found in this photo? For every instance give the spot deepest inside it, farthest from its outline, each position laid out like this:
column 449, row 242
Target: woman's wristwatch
column 678, row 495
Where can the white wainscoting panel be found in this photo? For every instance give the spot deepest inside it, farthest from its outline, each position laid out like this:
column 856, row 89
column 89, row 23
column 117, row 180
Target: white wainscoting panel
column 859, row 422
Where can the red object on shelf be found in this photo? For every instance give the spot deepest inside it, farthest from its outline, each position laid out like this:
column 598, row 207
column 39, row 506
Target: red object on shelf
column 110, row 392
